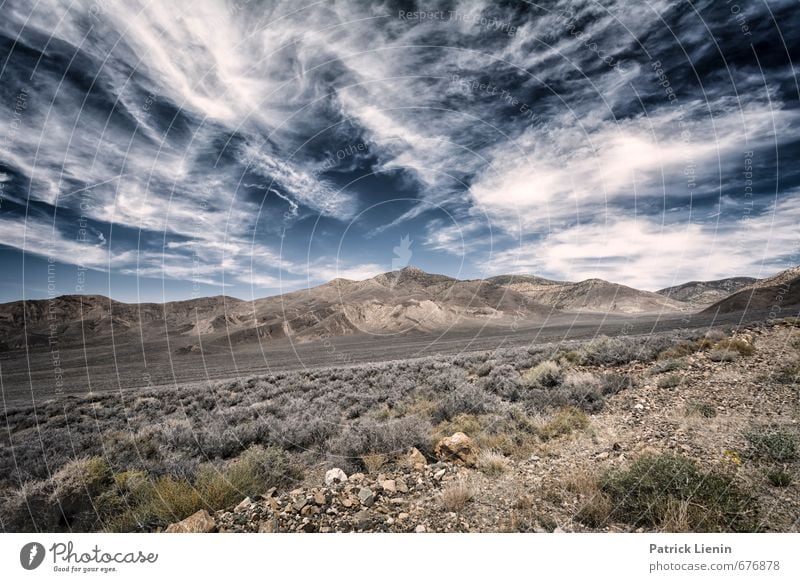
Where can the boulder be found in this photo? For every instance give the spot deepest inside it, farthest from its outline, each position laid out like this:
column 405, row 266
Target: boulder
column 459, row 449
column 333, row 476
column 200, row 522
column 416, row 460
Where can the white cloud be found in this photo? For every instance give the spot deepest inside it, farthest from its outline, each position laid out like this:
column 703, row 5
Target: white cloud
column 644, row 254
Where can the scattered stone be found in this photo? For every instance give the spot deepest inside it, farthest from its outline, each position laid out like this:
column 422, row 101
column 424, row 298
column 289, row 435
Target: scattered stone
column 420, row 529
column 335, row 475
column 458, row 448
column 199, row 522
column 389, row 486
column 363, row 519
column 439, row 474
column 366, row 496
column 243, row 504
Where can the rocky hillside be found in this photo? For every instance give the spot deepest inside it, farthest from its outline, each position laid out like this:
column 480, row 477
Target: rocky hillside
column 780, row 293
column 596, row 296
column 704, row 293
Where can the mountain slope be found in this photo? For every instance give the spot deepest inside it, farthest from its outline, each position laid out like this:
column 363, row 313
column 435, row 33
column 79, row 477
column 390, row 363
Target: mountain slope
column 780, row 293
column 702, row 293
column 596, row 296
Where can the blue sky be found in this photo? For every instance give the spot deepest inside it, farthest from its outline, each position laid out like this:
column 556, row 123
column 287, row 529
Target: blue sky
column 154, row 151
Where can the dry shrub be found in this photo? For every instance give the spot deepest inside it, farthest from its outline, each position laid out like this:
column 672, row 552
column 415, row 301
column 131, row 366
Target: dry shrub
column 374, row 461
column 492, row 462
column 456, row 496
column 563, row 422
column 744, row 348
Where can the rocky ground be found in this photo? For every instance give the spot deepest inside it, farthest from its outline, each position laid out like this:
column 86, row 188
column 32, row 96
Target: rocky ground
column 688, row 404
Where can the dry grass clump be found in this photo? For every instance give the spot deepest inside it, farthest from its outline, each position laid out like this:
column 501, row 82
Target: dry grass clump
column 545, row 375
column 563, row 422
column 775, row 444
column 742, row 347
column 373, row 462
column 492, row 462
column 456, row 496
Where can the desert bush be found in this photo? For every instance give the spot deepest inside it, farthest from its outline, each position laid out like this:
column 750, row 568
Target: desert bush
column 457, row 495
column 608, row 351
column 614, row 382
column 373, row 462
column 492, row 462
column 548, row 374
column 779, row 478
column 503, row 380
column 715, row 335
column 563, row 422
column 671, row 381
column 469, row 399
column 646, row 494
column 744, row 348
column 583, row 390
column 76, row 485
column 723, row 355
column 785, row 374
column 696, row 408
column 368, row 436
column 773, row 443
column 662, row 366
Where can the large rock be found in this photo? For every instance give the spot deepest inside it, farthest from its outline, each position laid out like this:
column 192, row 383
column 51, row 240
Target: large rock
column 333, row 476
column 416, row 460
column 200, row 522
column 459, row 449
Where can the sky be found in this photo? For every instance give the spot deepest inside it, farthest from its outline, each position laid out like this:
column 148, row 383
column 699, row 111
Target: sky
column 154, row 151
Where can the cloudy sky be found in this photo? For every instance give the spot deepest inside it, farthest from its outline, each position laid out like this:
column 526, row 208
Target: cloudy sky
column 163, row 150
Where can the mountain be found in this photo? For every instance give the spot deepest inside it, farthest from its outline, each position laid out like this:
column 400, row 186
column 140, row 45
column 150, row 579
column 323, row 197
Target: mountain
column 702, row 293
column 389, row 303
column 591, row 295
column 781, row 292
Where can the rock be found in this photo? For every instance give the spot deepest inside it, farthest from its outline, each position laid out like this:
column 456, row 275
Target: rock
column 299, row 503
column 389, row 486
column 199, row 522
column 268, row 526
column 357, row 477
column 335, row 475
column 416, row 460
column 439, row 474
column 320, row 498
column 243, row 504
column 420, row 529
column 366, row 496
column 401, row 486
column 402, row 516
column 458, row 448
column 558, row 530
column 363, row 519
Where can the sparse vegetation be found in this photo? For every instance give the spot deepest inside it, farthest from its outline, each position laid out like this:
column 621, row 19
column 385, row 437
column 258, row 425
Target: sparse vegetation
column 208, row 447
column 722, row 355
column 695, row 408
column 548, row 374
column 661, row 490
column 671, row 381
column 735, row 344
column 492, row 462
column 563, row 422
column 779, row 478
column 774, row 444
column 456, row 496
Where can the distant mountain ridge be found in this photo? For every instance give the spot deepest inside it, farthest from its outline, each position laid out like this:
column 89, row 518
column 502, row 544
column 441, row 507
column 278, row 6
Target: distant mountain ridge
column 390, row 303
column 706, row 292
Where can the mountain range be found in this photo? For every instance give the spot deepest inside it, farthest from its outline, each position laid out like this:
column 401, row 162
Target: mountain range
column 391, row 303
